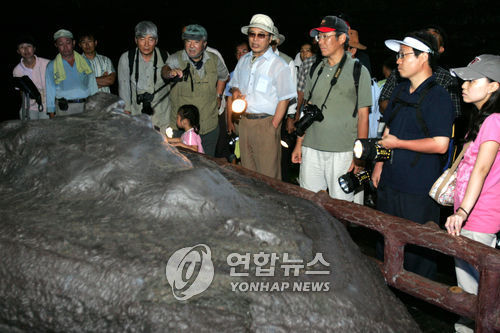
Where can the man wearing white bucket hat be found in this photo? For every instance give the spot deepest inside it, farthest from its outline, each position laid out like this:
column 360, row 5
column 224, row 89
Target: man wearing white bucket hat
column 264, row 80
column 419, row 121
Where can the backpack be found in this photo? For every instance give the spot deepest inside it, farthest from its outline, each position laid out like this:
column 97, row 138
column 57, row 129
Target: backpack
column 446, row 158
column 356, row 73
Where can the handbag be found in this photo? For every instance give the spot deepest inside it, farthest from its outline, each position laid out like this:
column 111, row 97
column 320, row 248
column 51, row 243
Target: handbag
column 443, row 189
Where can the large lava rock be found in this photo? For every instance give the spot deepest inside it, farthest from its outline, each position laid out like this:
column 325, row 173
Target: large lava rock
column 93, row 206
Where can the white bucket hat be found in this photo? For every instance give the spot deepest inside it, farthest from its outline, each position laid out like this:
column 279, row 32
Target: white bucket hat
column 278, row 36
column 260, row 21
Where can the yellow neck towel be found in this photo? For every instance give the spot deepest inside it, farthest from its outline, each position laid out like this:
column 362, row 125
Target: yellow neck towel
column 81, row 66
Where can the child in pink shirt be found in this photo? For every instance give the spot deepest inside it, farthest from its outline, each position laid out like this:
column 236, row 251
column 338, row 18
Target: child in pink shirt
column 188, row 119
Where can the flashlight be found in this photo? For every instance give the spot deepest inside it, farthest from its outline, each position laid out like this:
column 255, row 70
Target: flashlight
column 369, row 149
column 239, row 105
column 169, row 132
column 351, row 181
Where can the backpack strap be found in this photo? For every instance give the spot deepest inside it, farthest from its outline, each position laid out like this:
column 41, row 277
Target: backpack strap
column 418, row 109
column 164, row 55
column 314, row 65
column 356, row 73
column 131, row 56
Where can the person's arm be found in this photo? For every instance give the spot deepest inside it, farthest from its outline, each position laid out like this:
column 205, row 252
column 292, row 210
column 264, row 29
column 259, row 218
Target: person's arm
column 377, row 168
column 363, row 126
column 280, row 112
column 221, row 86
column 105, row 80
column 50, row 87
column 485, row 158
column 434, row 145
column 169, row 73
column 297, row 150
column 229, row 115
column 124, row 81
column 181, row 144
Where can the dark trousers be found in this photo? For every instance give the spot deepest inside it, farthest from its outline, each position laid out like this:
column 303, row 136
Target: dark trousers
column 419, row 208
column 222, row 148
column 209, row 141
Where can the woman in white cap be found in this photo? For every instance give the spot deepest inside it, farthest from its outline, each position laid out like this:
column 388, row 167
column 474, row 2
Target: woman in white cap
column 477, row 191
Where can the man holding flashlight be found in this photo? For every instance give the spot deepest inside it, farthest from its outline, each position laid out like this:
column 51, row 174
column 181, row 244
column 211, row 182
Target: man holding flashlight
column 419, row 122
column 265, row 81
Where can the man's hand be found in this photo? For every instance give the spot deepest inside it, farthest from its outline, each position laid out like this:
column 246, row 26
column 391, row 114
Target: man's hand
column 230, row 128
column 377, row 171
column 356, row 166
column 389, row 141
column 237, row 93
column 297, row 151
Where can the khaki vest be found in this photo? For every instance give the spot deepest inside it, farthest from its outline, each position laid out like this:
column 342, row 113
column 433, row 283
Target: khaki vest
column 202, row 93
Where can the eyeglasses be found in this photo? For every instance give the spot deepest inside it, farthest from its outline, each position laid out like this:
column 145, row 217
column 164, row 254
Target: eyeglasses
column 259, row 35
column 323, row 37
column 403, row 55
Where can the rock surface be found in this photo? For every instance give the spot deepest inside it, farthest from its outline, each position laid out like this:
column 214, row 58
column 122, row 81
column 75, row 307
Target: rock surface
column 93, row 206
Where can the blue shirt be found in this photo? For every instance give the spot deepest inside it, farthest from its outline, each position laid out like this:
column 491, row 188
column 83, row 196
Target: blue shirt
column 76, row 85
column 438, row 114
column 265, row 82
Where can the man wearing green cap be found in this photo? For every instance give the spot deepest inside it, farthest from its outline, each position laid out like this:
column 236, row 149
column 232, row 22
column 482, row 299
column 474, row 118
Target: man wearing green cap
column 69, row 78
column 198, row 77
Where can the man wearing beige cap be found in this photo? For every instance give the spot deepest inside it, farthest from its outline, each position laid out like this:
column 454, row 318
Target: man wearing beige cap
column 69, row 78
column 265, row 81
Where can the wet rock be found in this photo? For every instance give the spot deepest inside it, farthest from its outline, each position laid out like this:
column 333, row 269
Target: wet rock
column 94, row 205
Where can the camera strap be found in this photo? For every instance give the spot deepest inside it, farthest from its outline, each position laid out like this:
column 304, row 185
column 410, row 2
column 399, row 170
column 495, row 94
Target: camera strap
column 155, row 63
column 333, row 82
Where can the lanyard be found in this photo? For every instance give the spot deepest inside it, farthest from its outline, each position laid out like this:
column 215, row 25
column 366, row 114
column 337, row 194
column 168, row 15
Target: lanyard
column 332, row 82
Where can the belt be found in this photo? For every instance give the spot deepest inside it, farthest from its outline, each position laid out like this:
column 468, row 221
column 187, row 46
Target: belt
column 256, row 115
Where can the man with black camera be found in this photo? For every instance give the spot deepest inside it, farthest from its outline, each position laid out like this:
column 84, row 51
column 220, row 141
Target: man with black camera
column 199, row 77
column 335, row 114
column 69, row 78
column 139, row 77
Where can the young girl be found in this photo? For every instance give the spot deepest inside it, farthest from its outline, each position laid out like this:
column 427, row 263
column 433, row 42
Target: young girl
column 477, row 191
column 188, row 119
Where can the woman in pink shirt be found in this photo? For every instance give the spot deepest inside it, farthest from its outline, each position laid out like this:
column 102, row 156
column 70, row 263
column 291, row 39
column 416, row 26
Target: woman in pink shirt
column 188, row 119
column 477, row 191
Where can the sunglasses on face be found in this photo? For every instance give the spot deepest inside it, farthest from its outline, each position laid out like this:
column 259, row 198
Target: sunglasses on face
column 260, row 35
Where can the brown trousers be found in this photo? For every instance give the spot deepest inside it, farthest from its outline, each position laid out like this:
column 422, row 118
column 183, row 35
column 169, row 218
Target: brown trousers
column 260, row 146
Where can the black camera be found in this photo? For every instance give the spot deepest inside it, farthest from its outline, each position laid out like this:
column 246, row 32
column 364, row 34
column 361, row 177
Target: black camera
column 25, row 84
column 146, row 99
column 311, row 114
column 351, row 181
column 63, row 104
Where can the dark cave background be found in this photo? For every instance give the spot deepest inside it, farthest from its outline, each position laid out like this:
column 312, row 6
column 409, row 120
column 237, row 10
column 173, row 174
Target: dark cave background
column 471, row 26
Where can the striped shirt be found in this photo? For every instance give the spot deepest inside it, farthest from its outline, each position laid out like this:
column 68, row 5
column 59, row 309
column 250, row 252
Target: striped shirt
column 100, row 65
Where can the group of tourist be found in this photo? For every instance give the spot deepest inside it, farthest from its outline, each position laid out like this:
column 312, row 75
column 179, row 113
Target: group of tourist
column 325, row 95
